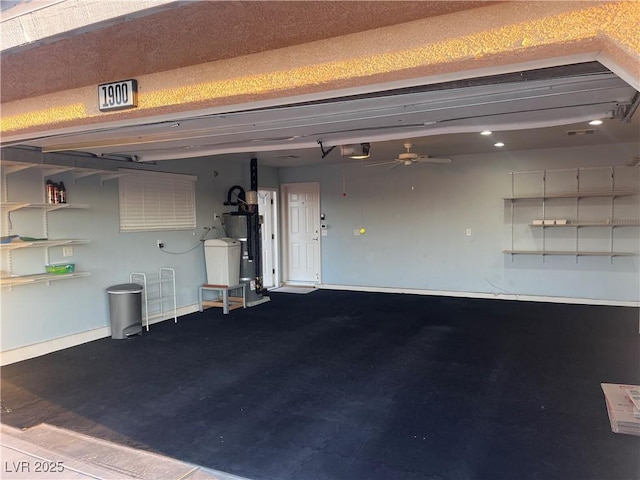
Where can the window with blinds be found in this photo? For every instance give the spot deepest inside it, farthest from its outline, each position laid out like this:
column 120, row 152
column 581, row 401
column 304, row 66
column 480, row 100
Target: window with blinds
column 156, row 201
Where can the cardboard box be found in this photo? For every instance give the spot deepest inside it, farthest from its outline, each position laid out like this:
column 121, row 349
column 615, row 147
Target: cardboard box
column 620, row 408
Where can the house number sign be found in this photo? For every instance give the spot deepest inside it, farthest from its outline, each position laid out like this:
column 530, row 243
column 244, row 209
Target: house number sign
column 118, row 95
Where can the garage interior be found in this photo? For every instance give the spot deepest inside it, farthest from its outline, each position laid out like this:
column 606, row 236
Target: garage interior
column 447, row 335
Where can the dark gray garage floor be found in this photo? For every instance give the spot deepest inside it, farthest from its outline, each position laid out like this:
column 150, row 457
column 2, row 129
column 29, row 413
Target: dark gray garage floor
column 344, row 385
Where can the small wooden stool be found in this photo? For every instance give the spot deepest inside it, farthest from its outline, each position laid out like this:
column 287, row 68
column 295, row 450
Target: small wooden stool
column 227, row 303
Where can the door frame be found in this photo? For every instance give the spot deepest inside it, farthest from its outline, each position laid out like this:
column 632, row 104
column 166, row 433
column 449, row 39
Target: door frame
column 275, row 260
column 284, row 205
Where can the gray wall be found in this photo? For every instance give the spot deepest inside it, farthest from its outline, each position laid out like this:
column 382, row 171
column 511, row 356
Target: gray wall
column 37, row 313
column 416, row 219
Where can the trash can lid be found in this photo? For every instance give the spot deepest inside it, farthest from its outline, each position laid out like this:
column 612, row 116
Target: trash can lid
column 125, row 288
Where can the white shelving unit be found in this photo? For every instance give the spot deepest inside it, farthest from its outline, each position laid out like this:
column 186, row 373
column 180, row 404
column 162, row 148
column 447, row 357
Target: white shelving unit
column 606, row 196
column 8, row 208
column 49, row 170
column 159, row 289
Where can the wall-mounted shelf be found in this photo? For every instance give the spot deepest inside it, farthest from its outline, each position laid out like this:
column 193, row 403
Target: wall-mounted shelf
column 566, row 253
column 48, row 207
column 12, row 206
column 43, row 243
column 597, row 224
column 38, row 278
column 49, row 170
column 592, row 194
column 9, row 208
column 566, row 205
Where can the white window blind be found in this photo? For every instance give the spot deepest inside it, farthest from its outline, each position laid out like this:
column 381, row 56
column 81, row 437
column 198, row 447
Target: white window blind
column 156, row 201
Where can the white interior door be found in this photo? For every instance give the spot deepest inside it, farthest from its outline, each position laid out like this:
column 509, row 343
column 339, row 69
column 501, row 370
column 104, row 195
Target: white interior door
column 267, row 208
column 302, row 207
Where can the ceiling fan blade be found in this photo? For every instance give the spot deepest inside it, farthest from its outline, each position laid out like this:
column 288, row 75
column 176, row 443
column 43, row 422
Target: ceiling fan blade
column 382, row 163
column 432, row 160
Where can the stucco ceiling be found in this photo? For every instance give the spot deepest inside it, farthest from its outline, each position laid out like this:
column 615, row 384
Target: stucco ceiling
column 208, row 31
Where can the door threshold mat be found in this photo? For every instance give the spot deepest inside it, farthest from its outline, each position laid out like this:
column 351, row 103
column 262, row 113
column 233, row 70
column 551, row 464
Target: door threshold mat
column 294, row 289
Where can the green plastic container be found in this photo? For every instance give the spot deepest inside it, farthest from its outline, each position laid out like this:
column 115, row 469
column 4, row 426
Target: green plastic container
column 61, row 268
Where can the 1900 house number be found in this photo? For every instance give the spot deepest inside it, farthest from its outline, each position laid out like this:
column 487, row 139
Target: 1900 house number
column 118, row 95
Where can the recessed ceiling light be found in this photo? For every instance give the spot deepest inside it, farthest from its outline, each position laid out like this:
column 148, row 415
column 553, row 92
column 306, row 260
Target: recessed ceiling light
column 499, row 144
column 486, row 132
column 595, row 122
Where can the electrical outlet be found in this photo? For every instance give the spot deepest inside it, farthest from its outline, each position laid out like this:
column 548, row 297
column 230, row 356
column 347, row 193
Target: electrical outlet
column 67, row 251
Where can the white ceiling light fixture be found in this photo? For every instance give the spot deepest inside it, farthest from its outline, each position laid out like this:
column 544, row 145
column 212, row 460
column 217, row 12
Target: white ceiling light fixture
column 498, row 144
column 486, row 132
column 595, row 122
column 356, row 151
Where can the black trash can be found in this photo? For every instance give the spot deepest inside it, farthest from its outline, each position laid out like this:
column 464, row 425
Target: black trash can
column 125, row 309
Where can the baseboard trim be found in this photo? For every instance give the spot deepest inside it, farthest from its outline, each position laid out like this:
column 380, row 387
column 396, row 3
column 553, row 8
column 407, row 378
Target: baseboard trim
column 49, row 346
column 38, row 349
column 493, row 296
column 168, row 316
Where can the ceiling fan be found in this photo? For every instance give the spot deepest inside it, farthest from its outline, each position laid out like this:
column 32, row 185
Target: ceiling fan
column 409, row 158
